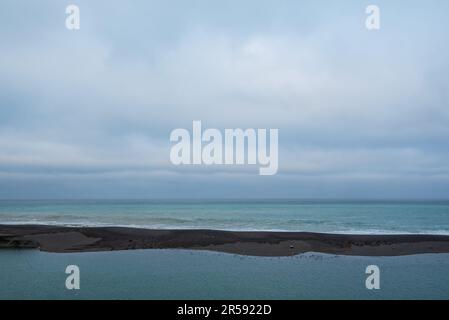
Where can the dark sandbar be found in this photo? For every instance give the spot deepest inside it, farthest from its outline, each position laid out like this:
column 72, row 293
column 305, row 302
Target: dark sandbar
column 74, row 239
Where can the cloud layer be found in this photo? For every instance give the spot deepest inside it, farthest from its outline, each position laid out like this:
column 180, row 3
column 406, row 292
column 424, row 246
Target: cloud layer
column 89, row 113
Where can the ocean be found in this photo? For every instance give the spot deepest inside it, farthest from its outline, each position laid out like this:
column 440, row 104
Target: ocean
column 184, row 274
column 361, row 217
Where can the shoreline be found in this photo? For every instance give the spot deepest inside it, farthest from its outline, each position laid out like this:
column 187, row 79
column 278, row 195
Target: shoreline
column 61, row 239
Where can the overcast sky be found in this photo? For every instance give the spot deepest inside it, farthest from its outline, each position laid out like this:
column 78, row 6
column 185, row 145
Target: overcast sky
column 88, row 113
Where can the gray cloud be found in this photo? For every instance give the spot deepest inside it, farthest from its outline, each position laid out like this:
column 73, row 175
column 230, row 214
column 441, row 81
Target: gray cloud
column 88, row 113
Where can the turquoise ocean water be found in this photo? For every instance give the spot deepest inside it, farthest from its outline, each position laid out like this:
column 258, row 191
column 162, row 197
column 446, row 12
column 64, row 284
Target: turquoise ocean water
column 318, row 216
column 179, row 274
column 184, row 274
